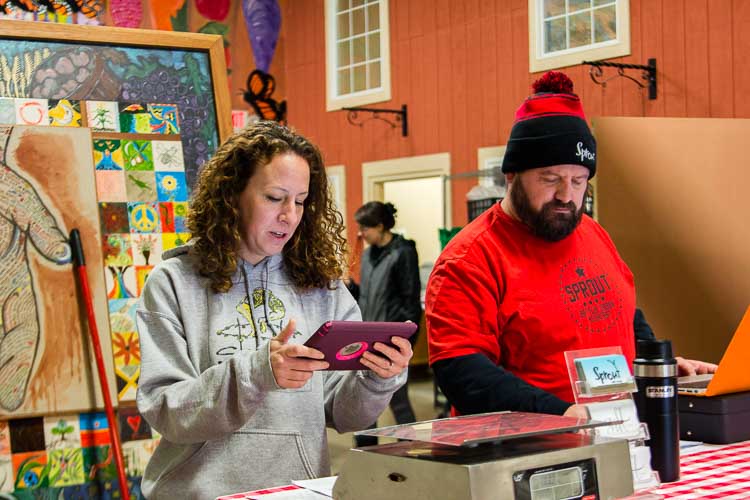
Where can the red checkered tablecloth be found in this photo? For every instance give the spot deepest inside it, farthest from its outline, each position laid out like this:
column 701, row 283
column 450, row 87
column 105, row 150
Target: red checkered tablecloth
column 718, row 473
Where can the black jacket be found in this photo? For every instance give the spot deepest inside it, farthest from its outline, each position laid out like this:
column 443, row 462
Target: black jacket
column 390, row 287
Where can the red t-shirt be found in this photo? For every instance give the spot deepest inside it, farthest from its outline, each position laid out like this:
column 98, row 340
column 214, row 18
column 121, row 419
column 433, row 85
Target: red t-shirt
column 522, row 301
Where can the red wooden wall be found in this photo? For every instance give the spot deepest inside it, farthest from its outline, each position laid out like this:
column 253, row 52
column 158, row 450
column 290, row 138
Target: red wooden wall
column 462, row 69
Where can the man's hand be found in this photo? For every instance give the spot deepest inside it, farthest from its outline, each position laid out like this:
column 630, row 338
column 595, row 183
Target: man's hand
column 577, row 411
column 692, row 367
column 293, row 364
column 392, row 361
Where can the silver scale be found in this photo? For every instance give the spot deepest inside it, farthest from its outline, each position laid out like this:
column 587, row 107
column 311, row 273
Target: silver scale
column 492, row 456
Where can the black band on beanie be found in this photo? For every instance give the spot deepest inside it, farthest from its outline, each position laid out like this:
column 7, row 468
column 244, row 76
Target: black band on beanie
column 550, row 140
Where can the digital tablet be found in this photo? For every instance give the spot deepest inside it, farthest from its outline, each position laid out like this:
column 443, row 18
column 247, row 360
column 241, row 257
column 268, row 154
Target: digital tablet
column 344, row 342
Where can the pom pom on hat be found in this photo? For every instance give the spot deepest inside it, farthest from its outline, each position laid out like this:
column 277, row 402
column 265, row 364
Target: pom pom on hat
column 550, row 129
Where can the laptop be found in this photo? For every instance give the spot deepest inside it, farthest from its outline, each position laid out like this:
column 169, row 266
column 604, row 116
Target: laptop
column 732, row 375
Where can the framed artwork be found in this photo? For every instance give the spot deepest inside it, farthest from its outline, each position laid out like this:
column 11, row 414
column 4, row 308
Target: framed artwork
column 48, row 68
column 144, row 110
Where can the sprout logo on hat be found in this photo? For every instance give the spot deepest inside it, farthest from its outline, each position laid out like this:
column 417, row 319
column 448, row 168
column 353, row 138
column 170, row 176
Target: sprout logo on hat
column 550, row 129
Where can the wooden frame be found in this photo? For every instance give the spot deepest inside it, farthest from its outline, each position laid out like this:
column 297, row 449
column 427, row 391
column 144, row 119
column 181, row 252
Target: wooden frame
column 103, row 38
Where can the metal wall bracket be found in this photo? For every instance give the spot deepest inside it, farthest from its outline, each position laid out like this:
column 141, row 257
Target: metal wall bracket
column 401, row 116
column 648, row 75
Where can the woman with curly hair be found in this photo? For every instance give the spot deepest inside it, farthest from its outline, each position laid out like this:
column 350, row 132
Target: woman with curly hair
column 240, row 403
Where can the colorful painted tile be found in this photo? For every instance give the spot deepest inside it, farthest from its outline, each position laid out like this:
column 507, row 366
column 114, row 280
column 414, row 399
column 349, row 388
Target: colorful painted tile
column 173, row 240
column 101, row 467
column 132, row 425
column 138, row 155
column 29, row 469
column 171, row 186
column 126, row 349
column 26, row 434
column 114, row 217
column 6, row 474
column 136, row 455
column 62, row 432
column 7, row 111
column 141, row 275
column 32, row 112
column 110, row 185
column 65, row 113
column 4, row 438
column 143, row 217
column 134, row 119
column 117, row 250
column 122, row 314
column 146, row 249
column 103, row 116
column 166, row 217
column 108, row 154
column 94, row 429
column 164, row 119
column 168, row 155
column 140, row 186
column 180, row 217
column 66, row 467
column 127, row 381
column 121, row 282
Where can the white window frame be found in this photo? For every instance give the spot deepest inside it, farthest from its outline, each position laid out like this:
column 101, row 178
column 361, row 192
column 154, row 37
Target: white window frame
column 335, row 102
column 570, row 57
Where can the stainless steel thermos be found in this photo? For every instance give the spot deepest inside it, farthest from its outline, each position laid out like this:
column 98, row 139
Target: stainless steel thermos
column 655, row 371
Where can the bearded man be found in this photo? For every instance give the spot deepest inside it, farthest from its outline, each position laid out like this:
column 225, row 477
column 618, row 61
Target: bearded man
column 532, row 277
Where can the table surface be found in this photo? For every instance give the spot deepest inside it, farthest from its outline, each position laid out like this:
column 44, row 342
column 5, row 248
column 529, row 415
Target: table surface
column 717, row 472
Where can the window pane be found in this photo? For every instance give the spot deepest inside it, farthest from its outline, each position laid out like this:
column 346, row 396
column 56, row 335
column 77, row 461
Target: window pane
column 605, row 24
column 373, row 17
column 357, row 3
column 554, row 8
column 604, row 2
column 342, row 5
column 358, row 50
column 342, row 22
column 358, row 21
column 360, row 78
column 345, row 86
column 576, row 5
column 554, row 35
column 373, row 46
column 374, row 73
column 378, row 1
column 344, row 59
column 580, row 29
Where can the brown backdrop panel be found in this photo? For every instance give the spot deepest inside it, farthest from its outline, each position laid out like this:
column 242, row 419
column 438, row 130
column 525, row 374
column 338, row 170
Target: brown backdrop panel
column 671, row 194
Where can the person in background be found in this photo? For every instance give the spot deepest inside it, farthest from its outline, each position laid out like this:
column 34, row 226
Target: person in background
column 240, row 403
column 532, row 277
column 389, row 286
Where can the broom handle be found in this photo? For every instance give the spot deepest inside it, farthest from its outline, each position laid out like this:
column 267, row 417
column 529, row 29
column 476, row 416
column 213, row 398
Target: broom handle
column 80, row 265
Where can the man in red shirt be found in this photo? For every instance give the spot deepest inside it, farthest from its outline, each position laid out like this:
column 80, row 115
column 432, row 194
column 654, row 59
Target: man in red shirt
column 533, row 276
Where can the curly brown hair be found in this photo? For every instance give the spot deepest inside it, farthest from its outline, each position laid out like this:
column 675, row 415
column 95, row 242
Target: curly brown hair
column 314, row 256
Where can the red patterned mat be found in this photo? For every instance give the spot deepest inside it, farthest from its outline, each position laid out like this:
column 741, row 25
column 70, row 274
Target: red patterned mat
column 721, row 473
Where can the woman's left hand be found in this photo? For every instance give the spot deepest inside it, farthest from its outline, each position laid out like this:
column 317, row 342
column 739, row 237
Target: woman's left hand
column 392, row 361
column 692, row 367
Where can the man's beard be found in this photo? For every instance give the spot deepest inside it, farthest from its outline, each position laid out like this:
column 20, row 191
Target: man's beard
column 545, row 223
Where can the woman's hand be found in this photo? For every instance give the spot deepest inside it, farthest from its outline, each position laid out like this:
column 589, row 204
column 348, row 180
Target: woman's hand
column 692, row 367
column 293, row 364
column 392, row 361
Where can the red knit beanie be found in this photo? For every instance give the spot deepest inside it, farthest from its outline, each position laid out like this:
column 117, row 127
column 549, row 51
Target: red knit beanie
column 550, row 129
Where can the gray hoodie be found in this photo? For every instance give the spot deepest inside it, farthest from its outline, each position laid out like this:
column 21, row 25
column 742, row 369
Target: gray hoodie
column 226, row 425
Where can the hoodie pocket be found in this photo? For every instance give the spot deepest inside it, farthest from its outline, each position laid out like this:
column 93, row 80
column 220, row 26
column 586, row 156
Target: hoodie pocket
column 246, row 460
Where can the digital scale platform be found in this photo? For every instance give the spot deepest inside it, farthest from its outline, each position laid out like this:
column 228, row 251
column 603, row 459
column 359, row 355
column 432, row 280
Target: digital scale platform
column 492, row 456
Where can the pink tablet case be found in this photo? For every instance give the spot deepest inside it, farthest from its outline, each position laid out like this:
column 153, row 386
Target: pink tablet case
column 344, row 342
